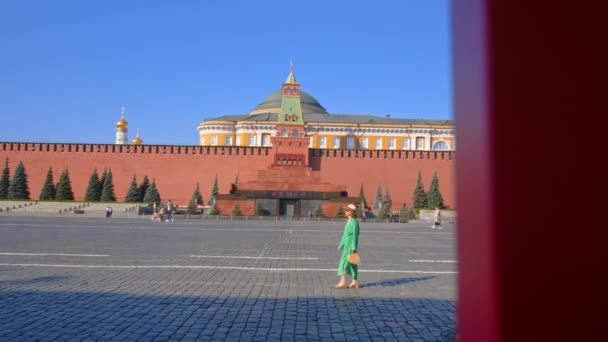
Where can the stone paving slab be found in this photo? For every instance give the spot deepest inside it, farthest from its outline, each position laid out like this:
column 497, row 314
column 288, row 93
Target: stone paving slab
column 145, row 284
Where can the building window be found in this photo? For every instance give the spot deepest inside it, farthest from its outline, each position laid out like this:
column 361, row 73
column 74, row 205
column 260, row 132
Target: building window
column 419, row 143
column 203, row 140
column 350, row 143
column 295, row 91
column 284, row 132
column 441, row 145
column 406, row 144
column 266, row 140
column 378, row 144
column 288, row 90
column 238, row 140
column 228, row 141
column 392, row 143
column 214, row 140
column 364, row 144
column 322, row 142
column 252, row 140
column 295, row 133
column 336, row 142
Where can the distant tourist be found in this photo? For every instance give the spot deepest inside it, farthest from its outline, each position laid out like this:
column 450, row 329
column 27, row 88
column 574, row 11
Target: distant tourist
column 159, row 215
column 108, row 211
column 348, row 246
column 437, row 223
column 169, row 211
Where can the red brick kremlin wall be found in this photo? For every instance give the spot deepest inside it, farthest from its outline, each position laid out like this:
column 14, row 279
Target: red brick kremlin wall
column 177, row 169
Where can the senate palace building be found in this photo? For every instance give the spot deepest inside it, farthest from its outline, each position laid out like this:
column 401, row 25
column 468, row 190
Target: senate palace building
column 325, row 130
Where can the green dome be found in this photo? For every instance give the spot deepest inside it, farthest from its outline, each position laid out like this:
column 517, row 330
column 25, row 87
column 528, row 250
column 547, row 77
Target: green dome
column 308, row 103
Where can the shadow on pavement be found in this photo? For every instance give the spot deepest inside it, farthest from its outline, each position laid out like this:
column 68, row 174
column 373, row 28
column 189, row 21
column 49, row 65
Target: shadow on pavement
column 396, row 282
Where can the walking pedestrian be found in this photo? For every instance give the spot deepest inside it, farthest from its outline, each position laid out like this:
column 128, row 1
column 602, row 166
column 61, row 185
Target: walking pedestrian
column 437, row 215
column 348, row 245
column 108, row 211
column 169, row 211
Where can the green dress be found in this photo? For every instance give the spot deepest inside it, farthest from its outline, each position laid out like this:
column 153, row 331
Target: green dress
column 348, row 243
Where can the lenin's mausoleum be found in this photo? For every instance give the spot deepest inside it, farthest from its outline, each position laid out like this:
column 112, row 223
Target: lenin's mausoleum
column 288, row 154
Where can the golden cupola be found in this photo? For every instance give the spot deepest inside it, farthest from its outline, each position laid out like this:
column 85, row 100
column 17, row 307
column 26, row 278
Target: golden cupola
column 137, row 140
column 122, row 128
column 122, row 123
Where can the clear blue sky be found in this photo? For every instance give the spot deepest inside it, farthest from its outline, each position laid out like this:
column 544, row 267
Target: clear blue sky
column 67, row 67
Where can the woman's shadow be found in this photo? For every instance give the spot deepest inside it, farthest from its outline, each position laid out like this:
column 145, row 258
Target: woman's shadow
column 397, row 282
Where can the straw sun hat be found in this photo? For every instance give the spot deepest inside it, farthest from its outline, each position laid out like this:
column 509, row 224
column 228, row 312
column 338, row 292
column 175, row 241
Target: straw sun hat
column 351, row 207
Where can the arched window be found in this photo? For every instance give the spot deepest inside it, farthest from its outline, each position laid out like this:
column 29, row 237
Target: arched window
column 288, row 90
column 295, row 133
column 440, row 145
column 284, row 132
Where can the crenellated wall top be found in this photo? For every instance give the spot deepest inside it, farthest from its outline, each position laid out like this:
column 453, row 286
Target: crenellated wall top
column 217, row 151
column 382, row 154
column 133, row 149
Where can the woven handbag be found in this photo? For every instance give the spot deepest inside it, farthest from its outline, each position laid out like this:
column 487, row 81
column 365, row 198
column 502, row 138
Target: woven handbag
column 353, row 258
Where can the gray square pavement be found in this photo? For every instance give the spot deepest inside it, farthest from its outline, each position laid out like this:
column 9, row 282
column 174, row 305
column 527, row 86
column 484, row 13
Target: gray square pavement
column 79, row 279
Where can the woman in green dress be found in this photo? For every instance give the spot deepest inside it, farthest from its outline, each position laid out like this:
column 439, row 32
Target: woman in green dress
column 348, row 244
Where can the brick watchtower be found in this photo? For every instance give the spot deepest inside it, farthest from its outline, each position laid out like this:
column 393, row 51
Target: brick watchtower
column 290, row 146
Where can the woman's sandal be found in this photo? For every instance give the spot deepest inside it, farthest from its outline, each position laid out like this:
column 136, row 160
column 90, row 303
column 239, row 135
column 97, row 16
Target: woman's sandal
column 354, row 285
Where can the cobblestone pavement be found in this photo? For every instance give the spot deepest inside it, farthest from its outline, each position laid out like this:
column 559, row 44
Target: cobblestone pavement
column 86, row 279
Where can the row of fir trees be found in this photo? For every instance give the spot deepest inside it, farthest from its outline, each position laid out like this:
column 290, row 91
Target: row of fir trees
column 98, row 189
column 421, row 199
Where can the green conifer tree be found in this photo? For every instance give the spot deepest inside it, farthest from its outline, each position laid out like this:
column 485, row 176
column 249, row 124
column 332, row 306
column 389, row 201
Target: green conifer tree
column 133, row 192
column 214, row 210
column 107, row 189
column 387, row 199
column 198, row 199
column 64, row 187
column 383, row 213
column 419, row 194
column 102, row 180
column 5, row 180
column 18, row 188
column 404, row 213
column 318, row 211
column 191, row 209
column 411, row 213
column 378, row 200
column 93, row 192
column 48, row 189
column 362, row 202
column 259, row 209
column 214, row 192
column 433, row 196
column 236, row 210
column 143, row 187
column 340, row 211
column 152, row 194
